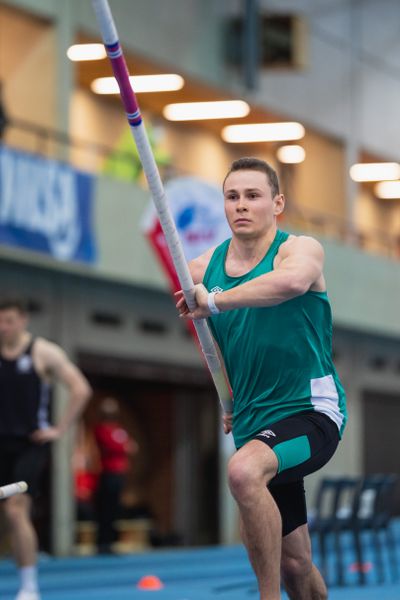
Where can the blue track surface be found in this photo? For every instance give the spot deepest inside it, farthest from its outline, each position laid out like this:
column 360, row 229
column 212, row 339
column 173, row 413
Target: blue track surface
column 218, row 573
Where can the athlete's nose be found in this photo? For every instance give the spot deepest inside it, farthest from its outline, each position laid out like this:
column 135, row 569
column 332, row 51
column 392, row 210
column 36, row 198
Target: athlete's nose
column 241, row 205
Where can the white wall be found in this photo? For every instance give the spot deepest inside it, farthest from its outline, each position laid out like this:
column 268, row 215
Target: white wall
column 180, row 33
column 353, row 56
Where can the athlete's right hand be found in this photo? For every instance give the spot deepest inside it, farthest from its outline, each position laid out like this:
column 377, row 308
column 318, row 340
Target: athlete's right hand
column 201, row 311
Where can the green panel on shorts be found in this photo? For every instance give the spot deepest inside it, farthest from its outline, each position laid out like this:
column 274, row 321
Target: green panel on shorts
column 292, row 452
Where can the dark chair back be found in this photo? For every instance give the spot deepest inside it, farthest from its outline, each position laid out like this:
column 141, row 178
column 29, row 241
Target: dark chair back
column 373, row 504
column 334, row 498
column 384, row 506
column 372, row 510
column 333, row 505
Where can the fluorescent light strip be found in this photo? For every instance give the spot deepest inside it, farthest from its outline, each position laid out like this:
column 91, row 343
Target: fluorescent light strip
column 166, row 82
column 193, row 111
column 79, row 52
column 387, row 190
column 375, row 171
column 263, row 132
column 291, row 154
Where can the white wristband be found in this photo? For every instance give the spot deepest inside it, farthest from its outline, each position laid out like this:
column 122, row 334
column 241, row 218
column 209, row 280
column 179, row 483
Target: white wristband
column 214, row 310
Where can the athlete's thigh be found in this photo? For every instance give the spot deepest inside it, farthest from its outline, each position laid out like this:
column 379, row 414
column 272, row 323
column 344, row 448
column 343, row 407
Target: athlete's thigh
column 290, row 499
column 302, row 443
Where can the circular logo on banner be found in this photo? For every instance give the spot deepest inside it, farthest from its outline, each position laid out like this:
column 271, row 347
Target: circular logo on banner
column 198, row 210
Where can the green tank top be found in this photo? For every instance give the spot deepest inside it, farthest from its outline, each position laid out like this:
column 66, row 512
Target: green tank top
column 278, row 359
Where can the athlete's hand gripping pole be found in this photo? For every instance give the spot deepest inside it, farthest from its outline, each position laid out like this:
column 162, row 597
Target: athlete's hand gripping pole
column 115, row 54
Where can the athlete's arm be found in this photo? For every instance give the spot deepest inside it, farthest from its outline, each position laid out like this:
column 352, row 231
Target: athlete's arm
column 52, row 361
column 197, row 267
column 298, row 269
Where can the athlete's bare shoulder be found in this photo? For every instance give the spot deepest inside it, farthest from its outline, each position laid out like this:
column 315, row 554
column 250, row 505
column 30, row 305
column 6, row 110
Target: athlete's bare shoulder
column 198, row 266
column 46, row 347
column 302, row 244
column 47, row 355
column 303, row 254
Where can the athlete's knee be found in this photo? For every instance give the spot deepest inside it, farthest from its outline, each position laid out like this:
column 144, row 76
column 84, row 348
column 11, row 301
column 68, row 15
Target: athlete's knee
column 16, row 509
column 303, row 580
column 296, row 567
column 240, row 478
column 247, row 473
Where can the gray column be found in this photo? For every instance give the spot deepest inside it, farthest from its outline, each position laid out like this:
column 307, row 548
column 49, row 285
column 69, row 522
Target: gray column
column 354, row 119
column 62, row 501
column 251, row 43
column 65, row 69
column 62, row 489
column 186, row 460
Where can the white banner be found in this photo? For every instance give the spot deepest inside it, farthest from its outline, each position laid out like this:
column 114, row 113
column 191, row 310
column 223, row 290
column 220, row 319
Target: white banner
column 198, row 210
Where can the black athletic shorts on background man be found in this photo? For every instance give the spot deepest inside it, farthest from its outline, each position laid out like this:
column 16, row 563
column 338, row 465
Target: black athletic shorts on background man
column 303, row 444
column 22, row 460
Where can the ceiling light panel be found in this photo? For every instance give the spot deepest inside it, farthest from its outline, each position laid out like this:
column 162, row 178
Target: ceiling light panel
column 388, row 190
column 167, row 82
column 375, row 171
column 192, row 111
column 263, row 132
column 291, row 154
column 80, row 52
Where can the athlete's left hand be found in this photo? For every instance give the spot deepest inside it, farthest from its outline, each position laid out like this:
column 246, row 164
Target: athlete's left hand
column 227, row 422
column 201, row 311
column 42, row 436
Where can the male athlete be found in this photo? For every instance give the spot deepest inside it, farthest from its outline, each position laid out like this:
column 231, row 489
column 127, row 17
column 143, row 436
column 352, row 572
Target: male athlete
column 264, row 293
column 27, row 366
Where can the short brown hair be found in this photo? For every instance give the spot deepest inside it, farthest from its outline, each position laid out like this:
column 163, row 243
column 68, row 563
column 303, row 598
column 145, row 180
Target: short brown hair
column 14, row 303
column 255, row 164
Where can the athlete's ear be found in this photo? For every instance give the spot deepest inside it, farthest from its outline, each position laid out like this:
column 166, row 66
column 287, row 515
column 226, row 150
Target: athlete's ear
column 279, row 204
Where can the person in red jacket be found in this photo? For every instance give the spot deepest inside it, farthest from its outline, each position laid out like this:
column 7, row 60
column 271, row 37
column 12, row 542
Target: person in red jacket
column 115, row 447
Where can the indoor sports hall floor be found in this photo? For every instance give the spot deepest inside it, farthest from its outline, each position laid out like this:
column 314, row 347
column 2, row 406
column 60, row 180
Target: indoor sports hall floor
column 218, row 573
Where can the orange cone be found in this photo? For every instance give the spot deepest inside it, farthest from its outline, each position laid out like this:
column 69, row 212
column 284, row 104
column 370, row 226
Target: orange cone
column 150, row 583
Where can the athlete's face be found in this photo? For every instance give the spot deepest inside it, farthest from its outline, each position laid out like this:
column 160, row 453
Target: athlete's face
column 12, row 325
column 250, row 208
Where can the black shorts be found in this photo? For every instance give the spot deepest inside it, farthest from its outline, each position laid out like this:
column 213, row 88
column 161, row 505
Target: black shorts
column 303, row 444
column 22, row 460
